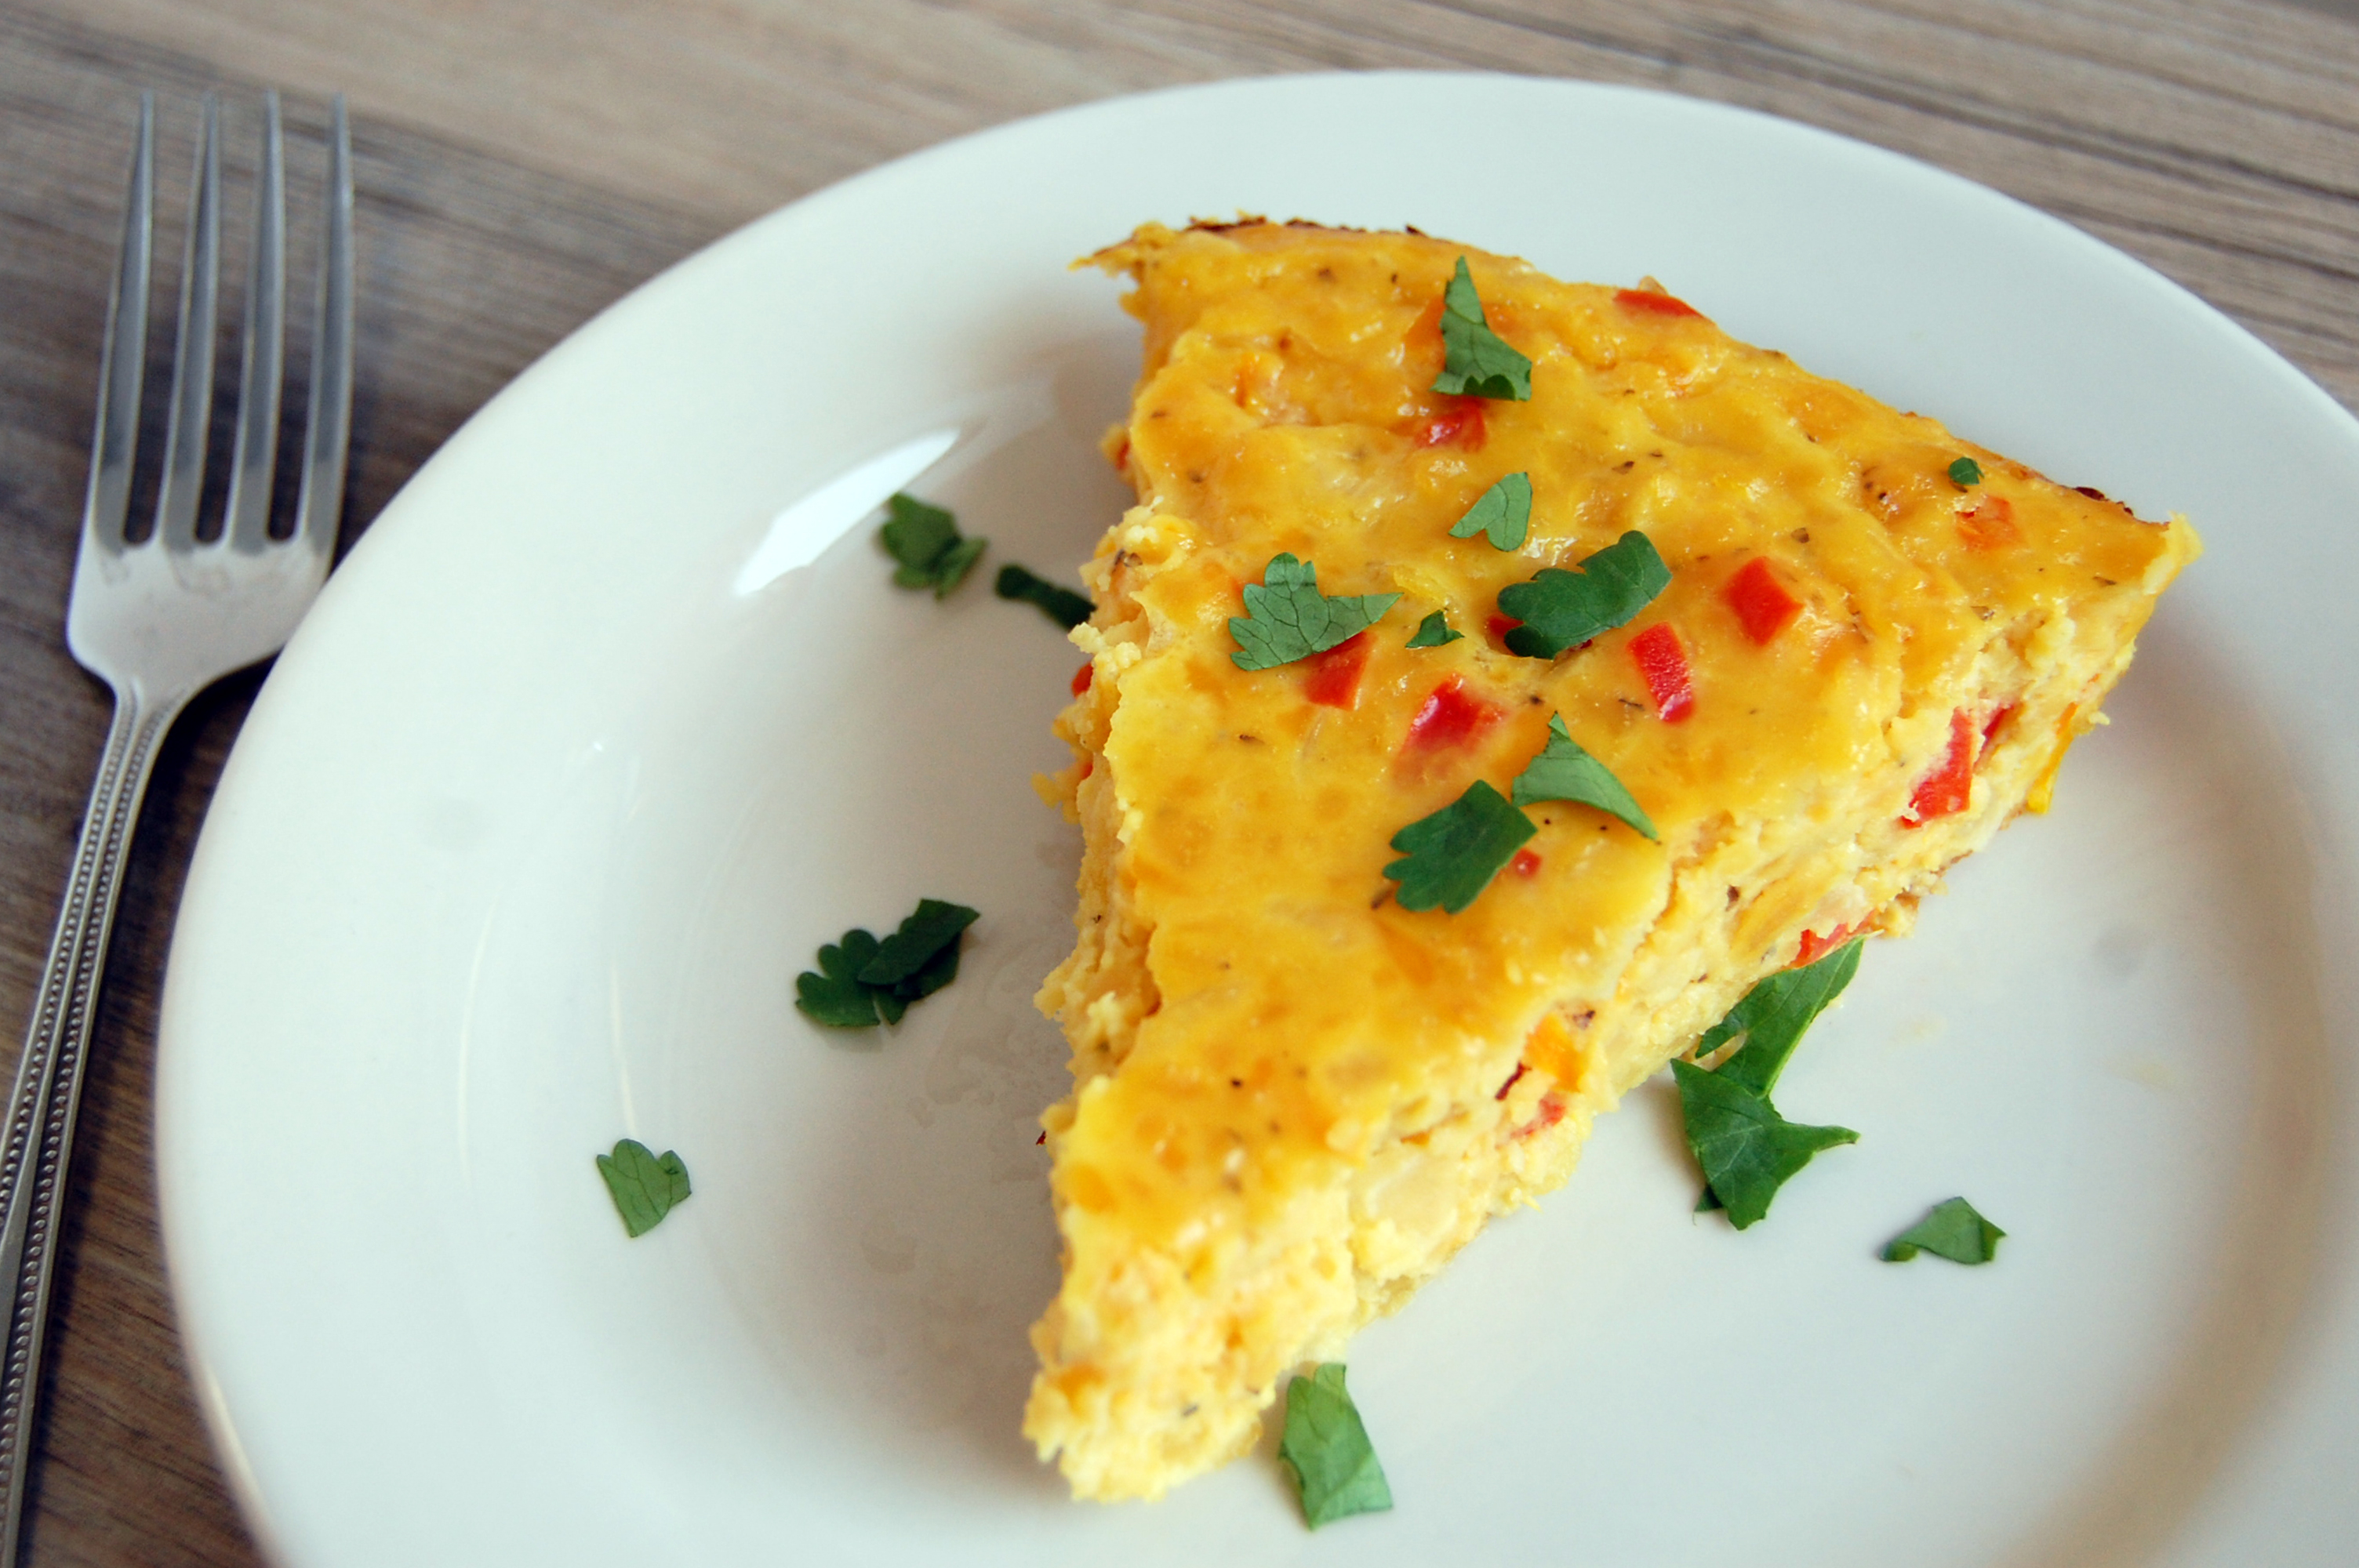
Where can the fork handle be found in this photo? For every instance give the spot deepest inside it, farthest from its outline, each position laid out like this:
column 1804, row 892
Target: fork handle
column 40, row 1133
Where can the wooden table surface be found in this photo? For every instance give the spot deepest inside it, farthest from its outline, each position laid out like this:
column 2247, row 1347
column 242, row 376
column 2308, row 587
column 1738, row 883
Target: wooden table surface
column 520, row 163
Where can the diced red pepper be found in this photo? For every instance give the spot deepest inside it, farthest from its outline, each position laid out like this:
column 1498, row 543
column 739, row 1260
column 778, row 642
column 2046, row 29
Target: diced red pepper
column 1815, row 946
column 1460, row 424
column 1664, row 663
column 1524, row 864
column 1449, row 717
column 1122, row 465
column 1500, row 625
column 1990, row 525
column 1760, row 600
column 1991, row 725
column 1948, row 789
column 1335, row 674
column 1082, row 677
column 1653, row 303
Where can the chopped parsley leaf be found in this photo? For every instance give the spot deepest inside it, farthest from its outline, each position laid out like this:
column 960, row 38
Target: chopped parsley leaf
column 1433, row 632
column 1477, row 362
column 1451, row 856
column 1287, row 618
column 1747, row 1149
column 1964, row 471
column 1327, row 1449
column 921, row 941
column 1562, row 610
column 1563, row 770
column 1774, row 1015
column 834, row 997
column 926, row 541
column 1954, row 1230
column 861, row 980
column 645, row 1186
column 1504, row 512
column 1062, row 605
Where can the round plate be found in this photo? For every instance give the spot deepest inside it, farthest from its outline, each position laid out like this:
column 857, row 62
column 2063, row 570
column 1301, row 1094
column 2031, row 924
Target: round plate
column 614, row 717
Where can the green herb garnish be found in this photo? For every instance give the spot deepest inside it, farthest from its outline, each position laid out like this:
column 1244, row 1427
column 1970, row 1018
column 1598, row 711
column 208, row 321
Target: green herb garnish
column 1954, row 1230
column 926, row 541
column 1774, row 1015
column 1477, row 362
column 834, row 997
column 1452, row 855
column 861, row 980
column 645, row 1186
column 1433, row 632
column 1563, row 770
column 1062, row 605
column 1562, row 610
column 1504, row 512
column 1964, row 471
column 1747, row 1149
column 1326, row 1448
column 1287, row 618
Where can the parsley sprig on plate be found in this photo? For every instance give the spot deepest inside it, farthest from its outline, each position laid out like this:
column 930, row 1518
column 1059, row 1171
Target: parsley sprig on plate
column 1326, row 1449
column 926, row 541
column 645, row 1185
column 1746, row 1148
column 1952, row 1230
column 862, row 981
column 1062, row 605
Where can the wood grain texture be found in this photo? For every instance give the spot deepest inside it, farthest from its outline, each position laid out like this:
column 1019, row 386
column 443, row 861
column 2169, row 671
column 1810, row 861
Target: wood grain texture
column 521, row 163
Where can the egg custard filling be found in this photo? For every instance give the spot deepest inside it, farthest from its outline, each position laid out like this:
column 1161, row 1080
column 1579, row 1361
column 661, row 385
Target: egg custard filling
column 1295, row 1096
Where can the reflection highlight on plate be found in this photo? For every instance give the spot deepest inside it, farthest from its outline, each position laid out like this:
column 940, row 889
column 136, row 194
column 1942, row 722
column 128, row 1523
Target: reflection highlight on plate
column 799, row 534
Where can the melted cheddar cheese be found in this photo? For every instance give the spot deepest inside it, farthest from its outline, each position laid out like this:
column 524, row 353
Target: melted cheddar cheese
column 1294, row 1098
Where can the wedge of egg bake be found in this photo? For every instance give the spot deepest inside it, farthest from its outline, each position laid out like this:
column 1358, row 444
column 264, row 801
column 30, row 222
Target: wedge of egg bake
column 1347, row 983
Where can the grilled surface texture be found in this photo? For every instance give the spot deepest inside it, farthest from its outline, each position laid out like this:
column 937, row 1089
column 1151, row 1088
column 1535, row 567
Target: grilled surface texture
column 1293, row 1099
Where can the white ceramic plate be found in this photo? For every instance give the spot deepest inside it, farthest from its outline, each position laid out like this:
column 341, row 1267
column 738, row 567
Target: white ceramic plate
column 613, row 718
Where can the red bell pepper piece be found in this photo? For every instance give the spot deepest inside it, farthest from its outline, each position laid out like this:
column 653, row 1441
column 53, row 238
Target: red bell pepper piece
column 1664, row 663
column 1449, row 717
column 1947, row 790
column 1335, row 674
column 1082, row 677
column 1499, row 626
column 1524, row 864
column 1990, row 525
column 1760, row 600
column 1654, row 304
column 1460, row 424
column 1815, row 946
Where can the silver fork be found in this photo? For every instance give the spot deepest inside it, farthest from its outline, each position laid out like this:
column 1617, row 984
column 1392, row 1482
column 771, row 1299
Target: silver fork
column 159, row 620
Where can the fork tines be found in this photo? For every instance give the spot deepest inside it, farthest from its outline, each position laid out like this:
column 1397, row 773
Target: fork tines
column 246, row 526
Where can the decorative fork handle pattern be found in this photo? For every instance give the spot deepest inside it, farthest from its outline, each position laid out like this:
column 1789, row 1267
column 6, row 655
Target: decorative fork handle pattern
column 39, row 1135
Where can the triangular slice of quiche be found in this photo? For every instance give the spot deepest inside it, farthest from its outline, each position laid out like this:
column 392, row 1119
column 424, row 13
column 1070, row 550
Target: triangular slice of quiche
column 1312, row 1054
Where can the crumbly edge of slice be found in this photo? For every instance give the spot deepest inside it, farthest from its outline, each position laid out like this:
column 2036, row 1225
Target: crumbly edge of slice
column 1150, row 1378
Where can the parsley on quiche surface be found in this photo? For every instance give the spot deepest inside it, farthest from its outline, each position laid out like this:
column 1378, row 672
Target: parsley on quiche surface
column 1822, row 672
